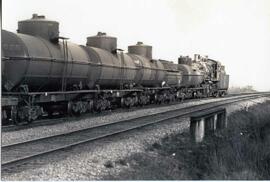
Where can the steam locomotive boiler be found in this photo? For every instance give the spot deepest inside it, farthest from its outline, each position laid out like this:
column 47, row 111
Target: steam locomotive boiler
column 43, row 73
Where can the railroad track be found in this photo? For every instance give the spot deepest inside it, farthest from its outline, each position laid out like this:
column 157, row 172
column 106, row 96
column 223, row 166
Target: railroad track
column 17, row 153
column 58, row 119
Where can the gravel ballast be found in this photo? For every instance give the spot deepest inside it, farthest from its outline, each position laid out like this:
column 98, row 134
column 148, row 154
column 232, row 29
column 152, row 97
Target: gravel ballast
column 102, row 158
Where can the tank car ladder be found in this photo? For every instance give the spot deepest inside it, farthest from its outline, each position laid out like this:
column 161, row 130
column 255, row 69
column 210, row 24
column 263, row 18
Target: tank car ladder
column 122, row 70
column 64, row 75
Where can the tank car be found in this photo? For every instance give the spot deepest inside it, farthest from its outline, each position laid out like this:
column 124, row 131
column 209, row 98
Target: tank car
column 35, row 58
column 191, row 74
column 173, row 76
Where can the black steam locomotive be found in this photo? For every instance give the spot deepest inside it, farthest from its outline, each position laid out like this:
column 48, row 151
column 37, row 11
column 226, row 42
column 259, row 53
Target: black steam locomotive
column 43, row 73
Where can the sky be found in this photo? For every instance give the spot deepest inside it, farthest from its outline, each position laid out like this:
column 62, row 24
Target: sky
column 235, row 32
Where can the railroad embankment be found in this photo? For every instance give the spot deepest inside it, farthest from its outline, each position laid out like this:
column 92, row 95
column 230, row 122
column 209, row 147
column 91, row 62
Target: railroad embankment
column 241, row 151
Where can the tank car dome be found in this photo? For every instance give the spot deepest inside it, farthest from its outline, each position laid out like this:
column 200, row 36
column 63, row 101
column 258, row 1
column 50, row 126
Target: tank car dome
column 38, row 25
column 141, row 49
column 102, row 41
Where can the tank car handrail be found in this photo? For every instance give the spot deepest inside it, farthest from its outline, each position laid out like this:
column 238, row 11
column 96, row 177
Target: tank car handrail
column 70, row 92
column 83, row 91
column 16, row 58
column 157, row 88
column 62, row 61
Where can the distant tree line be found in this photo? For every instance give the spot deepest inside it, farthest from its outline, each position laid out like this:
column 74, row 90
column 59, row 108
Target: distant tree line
column 245, row 89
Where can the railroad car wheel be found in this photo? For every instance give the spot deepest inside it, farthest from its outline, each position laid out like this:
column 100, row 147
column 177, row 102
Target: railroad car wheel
column 69, row 108
column 34, row 113
column 4, row 116
column 50, row 113
column 90, row 106
column 100, row 105
column 128, row 102
column 142, row 100
column 14, row 115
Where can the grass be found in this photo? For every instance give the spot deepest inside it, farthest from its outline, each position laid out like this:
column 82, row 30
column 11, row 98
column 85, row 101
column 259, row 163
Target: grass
column 242, row 151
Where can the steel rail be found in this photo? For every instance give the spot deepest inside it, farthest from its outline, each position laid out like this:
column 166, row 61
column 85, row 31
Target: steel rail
column 52, row 121
column 18, row 152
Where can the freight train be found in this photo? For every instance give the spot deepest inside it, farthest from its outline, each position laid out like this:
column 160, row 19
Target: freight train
column 43, row 73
